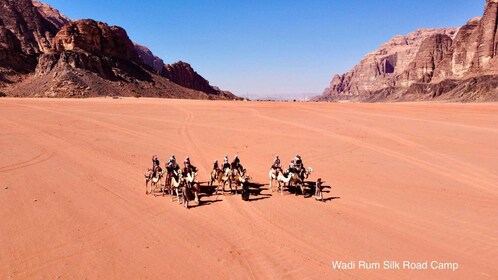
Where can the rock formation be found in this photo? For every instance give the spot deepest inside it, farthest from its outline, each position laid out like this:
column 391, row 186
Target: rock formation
column 180, row 73
column 44, row 54
column 24, row 34
column 96, row 38
column 149, row 58
column 183, row 74
column 446, row 64
column 51, row 14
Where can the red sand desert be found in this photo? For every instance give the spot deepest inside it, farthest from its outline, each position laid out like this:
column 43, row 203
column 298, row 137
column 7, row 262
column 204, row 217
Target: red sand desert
column 409, row 182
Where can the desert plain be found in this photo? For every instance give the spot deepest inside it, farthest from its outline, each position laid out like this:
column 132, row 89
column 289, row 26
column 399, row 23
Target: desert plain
column 406, row 182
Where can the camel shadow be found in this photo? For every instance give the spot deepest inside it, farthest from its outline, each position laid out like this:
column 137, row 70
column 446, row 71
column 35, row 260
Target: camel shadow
column 330, row 198
column 204, row 203
column 256, row 188
column 259, row 198
column 311, row 189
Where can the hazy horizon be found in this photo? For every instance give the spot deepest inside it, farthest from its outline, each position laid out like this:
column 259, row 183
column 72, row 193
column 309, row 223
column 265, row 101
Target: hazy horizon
column 263, row 49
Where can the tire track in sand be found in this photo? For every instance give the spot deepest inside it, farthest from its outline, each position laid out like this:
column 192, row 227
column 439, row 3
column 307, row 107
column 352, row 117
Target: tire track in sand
column 39, row 158
column 187, row 136
column 464, row 167
column 456, row 175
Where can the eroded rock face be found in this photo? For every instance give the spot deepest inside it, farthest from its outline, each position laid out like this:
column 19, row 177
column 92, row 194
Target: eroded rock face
column 183, row 74
column 51, row 14
column 429, row 56
column 44, row 54
column 465, row 48
column 24, row 34
column 96, row 38
column 33, row 33
column 149, row 58
column 381, row 68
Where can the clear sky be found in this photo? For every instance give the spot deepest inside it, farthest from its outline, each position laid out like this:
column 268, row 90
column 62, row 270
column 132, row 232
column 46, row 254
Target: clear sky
column 269, row 47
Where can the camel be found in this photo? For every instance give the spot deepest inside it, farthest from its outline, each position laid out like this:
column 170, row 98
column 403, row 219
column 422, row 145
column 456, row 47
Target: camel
column 148, row 178
column 154, row 181
column 226, row 178
column 273, row 174
column 235, row 177
column 282, row 180
column 217, row 176
column 175, row 186
column 167, row 181
column 294, row 178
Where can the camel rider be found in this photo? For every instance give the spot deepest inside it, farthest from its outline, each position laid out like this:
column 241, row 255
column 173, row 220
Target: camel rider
column 226, row 164
column 155, row 165
column 186, row 163
column 155, row 161
column 216, row 166
column 299, row 162
column 172, row 165
column 172, row 160
column 276, row 163
column 187, row 167
column 292, row 167
column 299, row 165
column 236, row 164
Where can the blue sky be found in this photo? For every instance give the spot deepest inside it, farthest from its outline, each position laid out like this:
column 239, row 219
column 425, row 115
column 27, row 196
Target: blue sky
column 269, row 48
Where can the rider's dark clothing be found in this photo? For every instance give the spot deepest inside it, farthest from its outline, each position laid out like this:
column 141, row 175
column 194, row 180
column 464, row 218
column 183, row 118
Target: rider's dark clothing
column 189, row 169
column 155, row 162
column 226, row 165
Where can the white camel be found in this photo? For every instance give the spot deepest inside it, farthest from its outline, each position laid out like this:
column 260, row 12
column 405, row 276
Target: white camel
column 293, row 178
column 273, row 175
column 175, row 187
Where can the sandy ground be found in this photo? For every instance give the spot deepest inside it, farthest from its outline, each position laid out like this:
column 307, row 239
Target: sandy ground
column 414, row 182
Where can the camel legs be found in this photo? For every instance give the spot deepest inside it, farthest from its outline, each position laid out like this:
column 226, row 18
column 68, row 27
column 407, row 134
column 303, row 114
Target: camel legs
column 223, row 186
column 167, row 184
column 220, row 187
column 185, row 199
column 302, row 189
column 230, row 186
column 171, row 192
column 152, row 184
column 236, row 187
column 178, row 195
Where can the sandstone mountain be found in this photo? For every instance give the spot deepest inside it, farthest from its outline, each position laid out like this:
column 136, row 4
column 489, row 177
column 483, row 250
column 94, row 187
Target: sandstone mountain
column 429, row 64
column 149, row 58
column 180, row 73
column 44, row 54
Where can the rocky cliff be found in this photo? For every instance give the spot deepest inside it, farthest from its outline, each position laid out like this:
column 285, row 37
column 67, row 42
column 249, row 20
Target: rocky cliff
column 446, row 64
column 149, row 58
column 183, row 74
column 180, row 73
column 24, row 34
column 96, row 38
column 44, row 54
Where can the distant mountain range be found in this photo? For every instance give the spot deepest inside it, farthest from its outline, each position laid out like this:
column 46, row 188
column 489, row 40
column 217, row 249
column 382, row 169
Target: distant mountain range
column 448, row 64
column 45, row 54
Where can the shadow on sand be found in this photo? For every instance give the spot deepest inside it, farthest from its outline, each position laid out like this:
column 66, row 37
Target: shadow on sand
column 208, row 192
